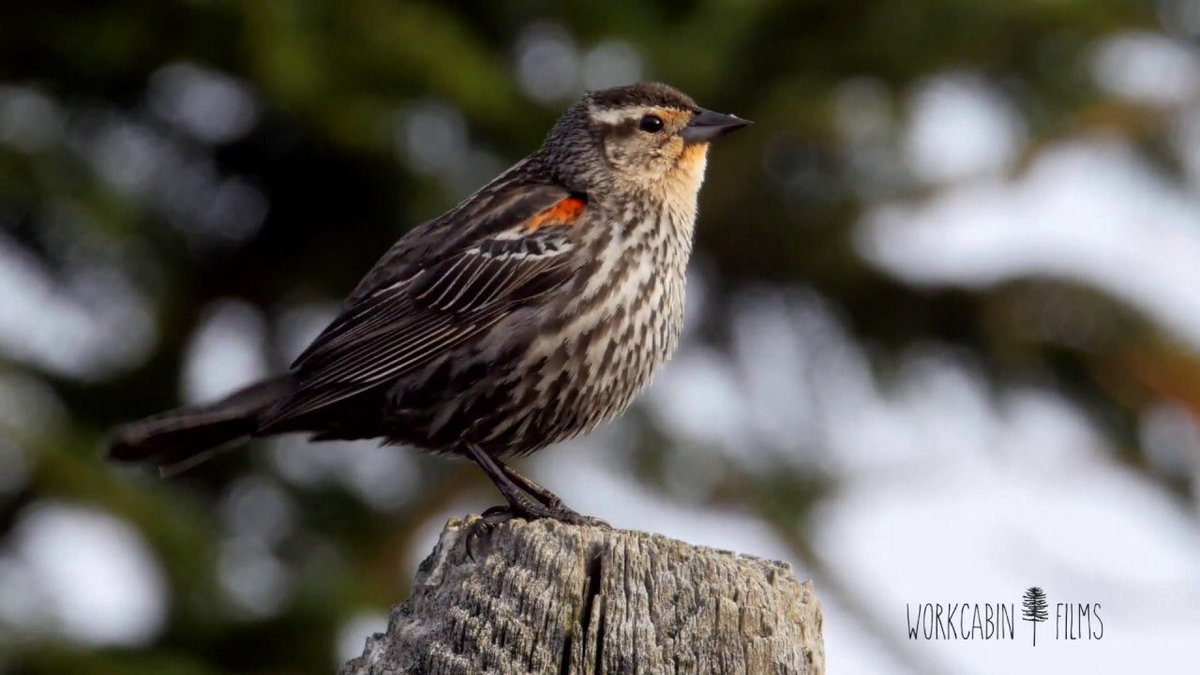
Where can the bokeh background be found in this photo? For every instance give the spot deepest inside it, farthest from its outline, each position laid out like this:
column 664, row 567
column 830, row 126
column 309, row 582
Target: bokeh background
column 943, row 338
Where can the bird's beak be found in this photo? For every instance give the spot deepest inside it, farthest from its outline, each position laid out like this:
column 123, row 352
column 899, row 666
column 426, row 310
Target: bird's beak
column 708, row 125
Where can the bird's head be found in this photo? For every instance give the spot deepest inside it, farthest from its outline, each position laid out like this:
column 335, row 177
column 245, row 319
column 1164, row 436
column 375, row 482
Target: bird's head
column 643, row 137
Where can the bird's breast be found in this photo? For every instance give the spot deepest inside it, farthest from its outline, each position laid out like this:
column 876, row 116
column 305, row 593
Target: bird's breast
column 618, row 323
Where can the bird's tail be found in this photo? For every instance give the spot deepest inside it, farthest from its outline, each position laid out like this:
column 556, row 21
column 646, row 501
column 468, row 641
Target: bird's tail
column 180, row 439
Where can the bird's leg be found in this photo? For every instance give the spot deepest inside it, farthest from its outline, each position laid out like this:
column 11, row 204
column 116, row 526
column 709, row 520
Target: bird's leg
column 535, row 489
column 526, row 498
column 520, row 503
column 548, row 498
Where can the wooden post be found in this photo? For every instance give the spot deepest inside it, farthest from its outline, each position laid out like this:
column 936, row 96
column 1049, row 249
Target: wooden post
column 543, row 597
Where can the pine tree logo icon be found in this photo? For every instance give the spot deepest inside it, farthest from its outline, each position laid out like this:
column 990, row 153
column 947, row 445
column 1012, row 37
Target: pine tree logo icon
column 1034, row 604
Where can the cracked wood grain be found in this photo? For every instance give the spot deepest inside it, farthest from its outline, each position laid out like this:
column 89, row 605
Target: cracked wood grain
column 544, row 597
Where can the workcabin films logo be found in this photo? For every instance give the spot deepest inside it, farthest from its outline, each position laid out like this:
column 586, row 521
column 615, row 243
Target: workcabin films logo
column 1033, row 610
column 1001, row 620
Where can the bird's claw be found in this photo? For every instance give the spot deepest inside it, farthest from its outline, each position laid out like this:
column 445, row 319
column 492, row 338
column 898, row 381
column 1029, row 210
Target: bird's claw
column 535, row 510
column 482, row 527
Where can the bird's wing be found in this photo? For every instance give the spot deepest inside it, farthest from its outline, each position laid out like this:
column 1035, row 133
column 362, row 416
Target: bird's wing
column 504, row 203
column 463, row 291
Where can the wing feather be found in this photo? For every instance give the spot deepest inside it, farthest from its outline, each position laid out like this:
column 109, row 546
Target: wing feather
column 409, row 321
column 500, row 206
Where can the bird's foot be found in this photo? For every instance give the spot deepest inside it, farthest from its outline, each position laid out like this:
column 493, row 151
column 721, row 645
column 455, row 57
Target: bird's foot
column 526, row 499
column 529, row 508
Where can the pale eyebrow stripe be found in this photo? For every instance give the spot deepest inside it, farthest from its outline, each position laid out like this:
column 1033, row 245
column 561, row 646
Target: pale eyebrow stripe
column 616, row 116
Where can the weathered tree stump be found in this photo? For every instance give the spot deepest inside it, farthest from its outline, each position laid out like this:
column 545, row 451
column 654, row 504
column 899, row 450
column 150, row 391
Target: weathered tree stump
column 543, row 597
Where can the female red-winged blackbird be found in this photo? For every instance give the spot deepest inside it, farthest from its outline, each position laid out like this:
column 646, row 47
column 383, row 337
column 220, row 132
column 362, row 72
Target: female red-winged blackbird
column 530, row 313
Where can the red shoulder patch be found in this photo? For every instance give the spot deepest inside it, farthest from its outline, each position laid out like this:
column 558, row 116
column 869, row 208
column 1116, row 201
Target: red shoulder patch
column 564, row 212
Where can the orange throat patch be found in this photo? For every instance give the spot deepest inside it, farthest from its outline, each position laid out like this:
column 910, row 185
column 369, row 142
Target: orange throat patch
column 693, row 158
column 684, row 181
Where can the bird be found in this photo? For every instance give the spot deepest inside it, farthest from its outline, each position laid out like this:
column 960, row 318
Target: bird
column 532, row 312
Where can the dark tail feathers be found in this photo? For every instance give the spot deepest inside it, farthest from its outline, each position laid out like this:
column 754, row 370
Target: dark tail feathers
column 177, row 440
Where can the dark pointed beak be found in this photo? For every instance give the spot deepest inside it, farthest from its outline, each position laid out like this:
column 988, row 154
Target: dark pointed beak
column 708, row 126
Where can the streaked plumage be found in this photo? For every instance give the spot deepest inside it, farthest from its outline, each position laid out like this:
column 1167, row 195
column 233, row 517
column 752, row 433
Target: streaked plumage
column 532, row 312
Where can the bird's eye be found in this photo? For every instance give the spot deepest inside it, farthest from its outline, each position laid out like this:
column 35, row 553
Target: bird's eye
column 651, row 124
